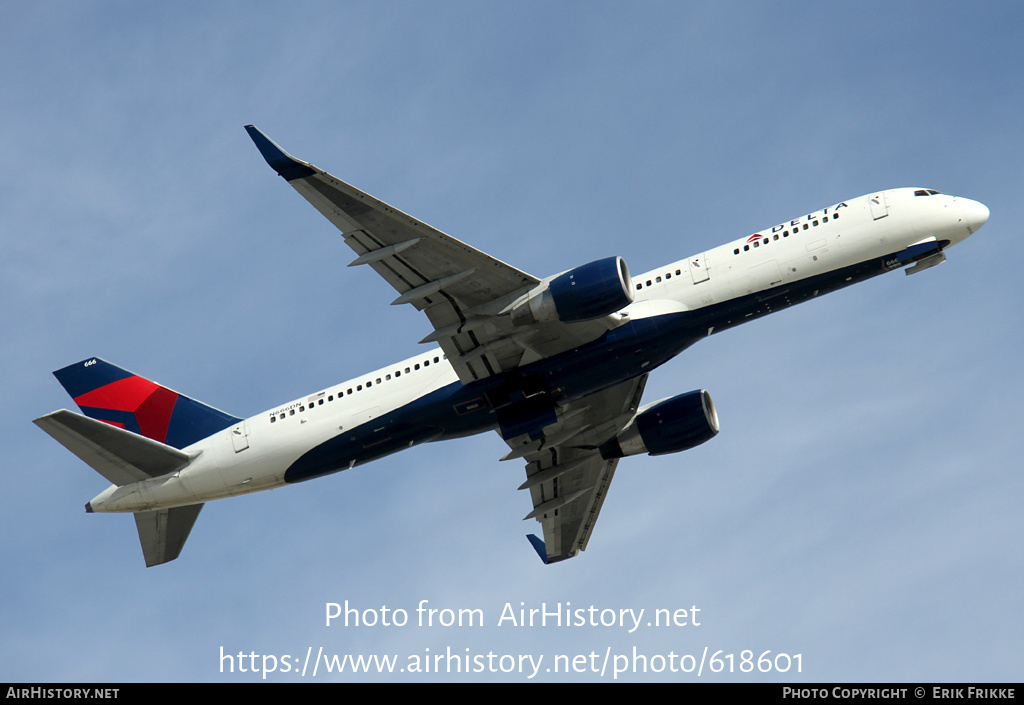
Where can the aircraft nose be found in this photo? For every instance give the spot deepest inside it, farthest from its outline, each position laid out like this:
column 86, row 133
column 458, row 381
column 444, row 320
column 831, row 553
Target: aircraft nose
column 975, row 214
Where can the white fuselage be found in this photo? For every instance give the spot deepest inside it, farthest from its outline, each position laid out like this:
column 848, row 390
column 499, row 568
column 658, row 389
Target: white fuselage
column 255, row 454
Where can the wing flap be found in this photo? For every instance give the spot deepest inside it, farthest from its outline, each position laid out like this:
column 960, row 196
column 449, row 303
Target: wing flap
column 567, row 478
column 568, row 506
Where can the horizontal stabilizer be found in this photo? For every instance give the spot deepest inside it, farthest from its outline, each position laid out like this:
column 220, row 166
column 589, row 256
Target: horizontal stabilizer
column 120, row 456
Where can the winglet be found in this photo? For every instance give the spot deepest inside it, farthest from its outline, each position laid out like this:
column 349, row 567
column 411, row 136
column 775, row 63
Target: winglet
column 539, row 547
column 283, row 163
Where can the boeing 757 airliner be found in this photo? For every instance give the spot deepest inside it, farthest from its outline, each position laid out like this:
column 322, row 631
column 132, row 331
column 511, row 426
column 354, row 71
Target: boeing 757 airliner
column 557, row 366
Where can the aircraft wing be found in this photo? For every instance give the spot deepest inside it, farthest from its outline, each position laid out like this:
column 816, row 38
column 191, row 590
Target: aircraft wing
column 465, row 293
column 565, row 473
column 468, row 297
column 453, row 282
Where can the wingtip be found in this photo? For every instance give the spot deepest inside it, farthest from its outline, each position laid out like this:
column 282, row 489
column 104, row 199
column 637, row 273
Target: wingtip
column 539, row 547
column 279, row 160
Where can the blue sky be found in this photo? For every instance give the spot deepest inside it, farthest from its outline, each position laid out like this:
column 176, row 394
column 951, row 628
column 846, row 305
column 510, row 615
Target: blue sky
column 861, row 506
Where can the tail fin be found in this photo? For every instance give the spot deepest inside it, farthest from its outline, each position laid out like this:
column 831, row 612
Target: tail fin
column 148, row 427
column 108, row 393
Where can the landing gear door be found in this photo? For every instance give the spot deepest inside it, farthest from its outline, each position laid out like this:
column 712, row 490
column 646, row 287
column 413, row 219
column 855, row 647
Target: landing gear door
column 699, row 268
column 879, row 208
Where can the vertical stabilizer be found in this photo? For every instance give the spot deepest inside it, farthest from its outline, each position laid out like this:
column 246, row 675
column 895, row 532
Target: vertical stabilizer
column 108, row 393
column 134, row 430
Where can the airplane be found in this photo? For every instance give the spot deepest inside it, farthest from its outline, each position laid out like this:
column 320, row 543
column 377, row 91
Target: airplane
column 556, row 365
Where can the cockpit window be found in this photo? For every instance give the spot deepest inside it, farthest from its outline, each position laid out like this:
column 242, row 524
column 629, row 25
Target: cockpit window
column 927, row 192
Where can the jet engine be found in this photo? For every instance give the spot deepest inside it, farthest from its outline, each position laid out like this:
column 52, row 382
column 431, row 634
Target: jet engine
column 668, row 426
column 581, row 294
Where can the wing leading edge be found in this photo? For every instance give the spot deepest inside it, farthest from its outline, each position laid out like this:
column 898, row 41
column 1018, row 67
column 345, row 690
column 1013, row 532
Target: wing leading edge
column 461, row 289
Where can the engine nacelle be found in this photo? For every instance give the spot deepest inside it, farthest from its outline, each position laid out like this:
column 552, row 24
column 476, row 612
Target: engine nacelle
column 581, row 294
column 668, row 426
